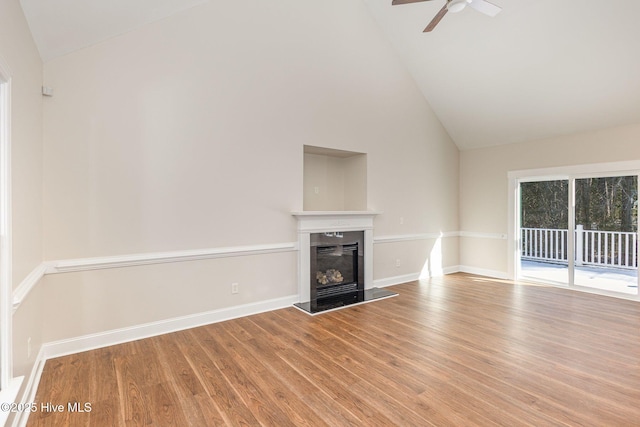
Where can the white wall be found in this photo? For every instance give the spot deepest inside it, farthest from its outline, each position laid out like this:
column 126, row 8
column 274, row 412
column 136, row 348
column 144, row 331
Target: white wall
column 484, row 183
column 188, row 133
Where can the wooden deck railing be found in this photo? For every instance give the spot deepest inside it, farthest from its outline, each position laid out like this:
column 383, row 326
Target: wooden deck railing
column 593, row 247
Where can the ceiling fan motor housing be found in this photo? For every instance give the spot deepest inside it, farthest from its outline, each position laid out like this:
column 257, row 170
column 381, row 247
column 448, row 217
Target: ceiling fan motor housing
column 454, row 6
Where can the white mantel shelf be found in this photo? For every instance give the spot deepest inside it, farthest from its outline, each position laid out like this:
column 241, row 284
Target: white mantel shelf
column 321, row 221
column 335, row 213
column 332, row 221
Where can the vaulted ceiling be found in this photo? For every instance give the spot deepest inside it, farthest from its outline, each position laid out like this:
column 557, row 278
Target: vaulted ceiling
column 538, row 69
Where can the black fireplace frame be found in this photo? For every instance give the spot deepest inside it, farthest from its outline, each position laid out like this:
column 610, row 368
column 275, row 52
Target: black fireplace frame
column 335, row 295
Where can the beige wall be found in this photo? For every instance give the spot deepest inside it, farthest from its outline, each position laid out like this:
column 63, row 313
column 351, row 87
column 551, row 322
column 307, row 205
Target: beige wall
column 91, row 302
column 428, row 257
column 188, row 133
column 19, row 54
column 484, row 182
column 341, row 183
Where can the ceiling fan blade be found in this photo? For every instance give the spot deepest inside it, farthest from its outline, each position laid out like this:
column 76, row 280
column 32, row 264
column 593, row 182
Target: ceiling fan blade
column 436, row 19
column 485, row 7
column 395, row 2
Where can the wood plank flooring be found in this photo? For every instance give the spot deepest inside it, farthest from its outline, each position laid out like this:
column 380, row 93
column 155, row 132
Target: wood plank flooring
column 460, row 350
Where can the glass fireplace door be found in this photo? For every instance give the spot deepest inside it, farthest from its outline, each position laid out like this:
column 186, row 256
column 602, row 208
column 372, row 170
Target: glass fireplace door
column 337, row 268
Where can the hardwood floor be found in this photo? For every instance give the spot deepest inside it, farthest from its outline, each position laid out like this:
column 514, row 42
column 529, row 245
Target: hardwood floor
column 460, row 350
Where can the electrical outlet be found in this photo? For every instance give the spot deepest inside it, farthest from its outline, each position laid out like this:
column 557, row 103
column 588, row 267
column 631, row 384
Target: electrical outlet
column 234, row 288
column 28, row 347
column 398, row 262
column 401, row 220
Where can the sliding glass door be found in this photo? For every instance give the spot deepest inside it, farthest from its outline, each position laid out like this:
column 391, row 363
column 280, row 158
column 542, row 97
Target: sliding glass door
column 579, row 231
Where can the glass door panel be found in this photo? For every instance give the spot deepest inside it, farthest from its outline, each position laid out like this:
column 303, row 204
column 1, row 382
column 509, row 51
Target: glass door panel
column 606, row 233
column 544, row 223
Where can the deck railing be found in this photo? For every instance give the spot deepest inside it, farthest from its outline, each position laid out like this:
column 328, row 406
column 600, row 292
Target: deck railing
column 593, row 247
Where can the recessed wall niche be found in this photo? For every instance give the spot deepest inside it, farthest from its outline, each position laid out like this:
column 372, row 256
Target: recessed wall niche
column 334, row 180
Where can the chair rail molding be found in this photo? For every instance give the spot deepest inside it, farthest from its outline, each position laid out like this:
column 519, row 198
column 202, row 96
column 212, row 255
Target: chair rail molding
column 414, row 236
column 119, row 261
column 27, row 285
column 98, row 263
column 481, row 235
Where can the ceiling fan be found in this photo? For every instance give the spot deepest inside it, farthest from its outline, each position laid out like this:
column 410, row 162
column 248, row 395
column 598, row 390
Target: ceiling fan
column 454, row 6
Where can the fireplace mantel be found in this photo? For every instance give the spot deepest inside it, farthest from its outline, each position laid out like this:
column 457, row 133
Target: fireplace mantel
column 321, row 221
column 331, row 221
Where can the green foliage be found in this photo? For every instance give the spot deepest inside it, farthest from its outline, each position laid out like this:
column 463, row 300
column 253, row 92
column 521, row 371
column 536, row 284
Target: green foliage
column 609, row 203
column 544, row 204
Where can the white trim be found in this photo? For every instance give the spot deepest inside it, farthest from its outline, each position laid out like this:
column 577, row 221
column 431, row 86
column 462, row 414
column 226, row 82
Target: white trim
column 325, row 214
column 513, row 226
column 578, row 171
column 478, row 235
column 6, row 263
column 396, row 280
column 483, row 272
column 428, row 236
column 451, row 270
column 30, row 389
column 8, row 395
column 118, row 261
column 412, row 277
column 321, row 221
column 27, row 285
column 415, row 236
column 132, row 333
column 570, row 173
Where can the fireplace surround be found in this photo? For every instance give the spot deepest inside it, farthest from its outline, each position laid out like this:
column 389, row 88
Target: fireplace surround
column 335, row 267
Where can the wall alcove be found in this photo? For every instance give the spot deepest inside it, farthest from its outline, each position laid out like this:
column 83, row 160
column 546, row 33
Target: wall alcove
column 334, row 180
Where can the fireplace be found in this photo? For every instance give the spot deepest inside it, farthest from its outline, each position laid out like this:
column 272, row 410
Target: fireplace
column 336, row 260
column 337, row 268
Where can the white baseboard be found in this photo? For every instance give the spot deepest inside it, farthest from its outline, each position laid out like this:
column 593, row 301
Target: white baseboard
column 8, row 396
column 396, row 280
column 484, row 272
column 29, row 394
column 118, row 336
column 451, row 269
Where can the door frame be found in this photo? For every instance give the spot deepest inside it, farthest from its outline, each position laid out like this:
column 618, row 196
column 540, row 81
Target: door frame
column 596, row 170
column 6, row 287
